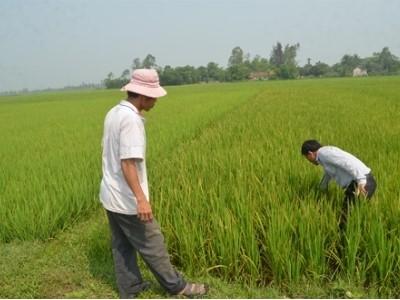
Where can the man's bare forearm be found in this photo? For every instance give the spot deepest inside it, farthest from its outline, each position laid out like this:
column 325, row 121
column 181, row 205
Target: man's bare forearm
column 144, row 211
column 130, row 173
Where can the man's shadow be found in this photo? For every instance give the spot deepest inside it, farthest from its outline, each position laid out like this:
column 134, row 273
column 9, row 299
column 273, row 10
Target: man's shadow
column 99, row 255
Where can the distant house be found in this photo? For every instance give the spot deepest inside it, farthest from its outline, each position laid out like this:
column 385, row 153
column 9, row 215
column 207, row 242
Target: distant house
column 260, row 75
column 358, row 72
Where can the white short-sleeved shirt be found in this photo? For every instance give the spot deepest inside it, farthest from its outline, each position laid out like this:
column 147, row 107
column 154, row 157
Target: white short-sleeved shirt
column 124, row 137
column 341, row 166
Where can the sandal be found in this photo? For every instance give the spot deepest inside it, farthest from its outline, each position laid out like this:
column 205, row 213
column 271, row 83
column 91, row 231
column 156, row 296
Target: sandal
column 194, row 290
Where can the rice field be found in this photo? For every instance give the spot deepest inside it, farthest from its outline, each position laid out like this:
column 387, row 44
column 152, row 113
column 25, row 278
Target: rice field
column 234, row 197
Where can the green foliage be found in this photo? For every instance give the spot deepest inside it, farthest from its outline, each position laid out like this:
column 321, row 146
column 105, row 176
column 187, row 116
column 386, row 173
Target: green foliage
column 244, row 175
column 149, row 62
column 381, row 63
column 237, row 72
column 348, row 63
column 234, row 197
column 281, row 65
column 236, row 58
column 284, row 61
column 318, row 70
column 115, row 83
column 52, row 173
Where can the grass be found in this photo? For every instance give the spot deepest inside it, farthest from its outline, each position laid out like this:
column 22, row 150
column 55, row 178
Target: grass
column 237, row 203
column 78, row 264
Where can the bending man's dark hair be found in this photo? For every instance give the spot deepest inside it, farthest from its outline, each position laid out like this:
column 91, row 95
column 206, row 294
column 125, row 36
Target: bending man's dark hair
column 310, row 146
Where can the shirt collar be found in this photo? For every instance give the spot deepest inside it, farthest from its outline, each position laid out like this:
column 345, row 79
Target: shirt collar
column 317, row 157
column 132, row 107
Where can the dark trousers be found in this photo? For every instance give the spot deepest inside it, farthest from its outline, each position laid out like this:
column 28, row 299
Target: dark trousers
column 350, row 198
column 131, row 236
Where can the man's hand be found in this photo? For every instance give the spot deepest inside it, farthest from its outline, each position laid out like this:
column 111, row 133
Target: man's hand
column 143, row 207
column 361, row 190
column 144, row 211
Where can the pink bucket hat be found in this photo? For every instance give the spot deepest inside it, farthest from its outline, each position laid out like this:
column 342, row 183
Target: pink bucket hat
column 145, row 82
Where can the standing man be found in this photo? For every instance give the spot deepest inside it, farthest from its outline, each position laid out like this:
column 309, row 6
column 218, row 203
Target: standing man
column 348, row 171
column 124, row 194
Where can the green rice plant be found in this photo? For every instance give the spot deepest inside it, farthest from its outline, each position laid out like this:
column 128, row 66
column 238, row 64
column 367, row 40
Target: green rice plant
column 234, row 197
column 381, row 252
column 352, row 244
column 246, row 167
column 312, row 238
column 52, row 155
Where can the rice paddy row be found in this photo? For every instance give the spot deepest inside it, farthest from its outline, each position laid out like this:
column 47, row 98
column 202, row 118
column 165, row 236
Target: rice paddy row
column 233, row 195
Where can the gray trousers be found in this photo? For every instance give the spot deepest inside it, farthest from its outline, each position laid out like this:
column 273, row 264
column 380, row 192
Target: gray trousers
column 131, row 236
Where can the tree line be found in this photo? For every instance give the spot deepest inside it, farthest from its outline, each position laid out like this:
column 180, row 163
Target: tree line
column 281, row 64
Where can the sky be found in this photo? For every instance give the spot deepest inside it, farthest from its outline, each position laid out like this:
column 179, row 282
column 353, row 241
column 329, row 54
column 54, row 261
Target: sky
column 56, row 43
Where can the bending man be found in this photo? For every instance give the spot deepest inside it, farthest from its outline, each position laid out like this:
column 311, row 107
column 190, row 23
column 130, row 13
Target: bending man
column 348, row 171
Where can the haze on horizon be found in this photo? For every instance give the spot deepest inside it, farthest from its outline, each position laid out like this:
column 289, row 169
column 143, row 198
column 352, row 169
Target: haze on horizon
column 52, row 44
